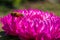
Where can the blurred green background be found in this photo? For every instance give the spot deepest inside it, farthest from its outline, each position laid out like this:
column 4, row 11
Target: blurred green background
column 7, row 6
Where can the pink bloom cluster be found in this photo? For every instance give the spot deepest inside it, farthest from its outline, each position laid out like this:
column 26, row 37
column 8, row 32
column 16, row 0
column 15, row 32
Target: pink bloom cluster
column 32, row 24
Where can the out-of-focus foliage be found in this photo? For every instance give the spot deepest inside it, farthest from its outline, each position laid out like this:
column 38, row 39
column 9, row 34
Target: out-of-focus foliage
column 17, row 3
column 51, row 5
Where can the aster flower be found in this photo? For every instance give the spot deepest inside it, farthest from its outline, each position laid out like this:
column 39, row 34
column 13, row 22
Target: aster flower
column 32, row 24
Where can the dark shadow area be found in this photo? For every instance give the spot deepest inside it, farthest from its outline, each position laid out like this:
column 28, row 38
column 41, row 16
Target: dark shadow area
column 5, row 37
column 57, row 39
column 7, row 4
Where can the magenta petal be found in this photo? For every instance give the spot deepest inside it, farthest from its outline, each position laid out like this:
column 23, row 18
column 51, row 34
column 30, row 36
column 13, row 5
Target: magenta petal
column 33, row 25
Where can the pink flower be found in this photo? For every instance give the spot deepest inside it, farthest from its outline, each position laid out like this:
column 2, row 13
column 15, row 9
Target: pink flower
column 32, row 24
